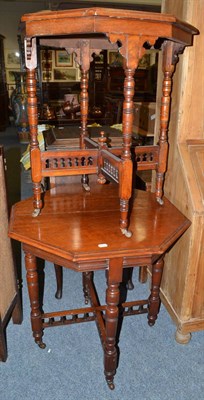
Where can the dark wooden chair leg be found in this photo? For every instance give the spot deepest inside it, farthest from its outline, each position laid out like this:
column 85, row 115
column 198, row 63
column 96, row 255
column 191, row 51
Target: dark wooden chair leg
column 3, row 346
column 59, row 280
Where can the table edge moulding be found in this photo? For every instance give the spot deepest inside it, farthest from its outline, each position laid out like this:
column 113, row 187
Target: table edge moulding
column 103, row 224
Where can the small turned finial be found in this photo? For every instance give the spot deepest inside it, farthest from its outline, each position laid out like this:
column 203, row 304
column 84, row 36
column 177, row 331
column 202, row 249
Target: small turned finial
column 102, row 140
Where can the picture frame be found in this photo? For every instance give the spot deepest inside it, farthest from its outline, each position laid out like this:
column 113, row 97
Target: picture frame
column 99, row 58
column 78, row 75
column 65, row 74
column 144, row 62
column 63, row 59
column 46, row 65
column 98, row 74
column 46, row 76
column 10, row 77
column 114, row 58
column 12, row 59
column 46, row 55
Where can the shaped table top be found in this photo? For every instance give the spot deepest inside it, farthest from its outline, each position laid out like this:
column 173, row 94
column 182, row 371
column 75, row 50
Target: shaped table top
column 81, row 226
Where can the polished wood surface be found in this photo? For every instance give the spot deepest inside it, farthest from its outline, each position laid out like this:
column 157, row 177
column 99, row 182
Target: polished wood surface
column 71, row 232
column 79, row 216
column 183, row 283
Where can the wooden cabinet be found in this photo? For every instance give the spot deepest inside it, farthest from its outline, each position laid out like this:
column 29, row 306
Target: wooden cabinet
column 10, row 304
column 183, row 282
column 3, row 89
column 183, row 279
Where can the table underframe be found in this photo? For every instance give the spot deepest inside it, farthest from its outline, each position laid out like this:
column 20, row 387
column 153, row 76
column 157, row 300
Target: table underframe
column 106, row 316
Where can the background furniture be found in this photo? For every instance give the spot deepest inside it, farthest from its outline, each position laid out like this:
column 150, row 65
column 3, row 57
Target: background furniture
column 105, row 86
column 183, row 281
column 10, row 304
column 4, row 114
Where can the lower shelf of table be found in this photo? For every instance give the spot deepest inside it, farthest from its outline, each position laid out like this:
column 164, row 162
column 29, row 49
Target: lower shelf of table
column 95, row 312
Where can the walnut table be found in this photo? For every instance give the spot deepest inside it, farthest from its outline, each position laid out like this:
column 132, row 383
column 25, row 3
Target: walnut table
column 70, row 231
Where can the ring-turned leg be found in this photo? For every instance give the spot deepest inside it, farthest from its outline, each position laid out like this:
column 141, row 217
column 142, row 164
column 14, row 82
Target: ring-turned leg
column 33, row 290
column 170, row 51
column 110, row 352
column 86, row 276
column 114, row 277
column 125, row 184
column 35, row 152
column 154, row 299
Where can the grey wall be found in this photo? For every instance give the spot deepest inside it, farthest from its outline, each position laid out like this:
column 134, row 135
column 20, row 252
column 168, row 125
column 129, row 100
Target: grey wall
column 10, row 14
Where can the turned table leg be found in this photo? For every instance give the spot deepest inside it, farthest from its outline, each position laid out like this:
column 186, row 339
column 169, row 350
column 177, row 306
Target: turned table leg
column 114, row 277
column 33, row 290
column 154, row 299
column 86, row 277
column 59, row 280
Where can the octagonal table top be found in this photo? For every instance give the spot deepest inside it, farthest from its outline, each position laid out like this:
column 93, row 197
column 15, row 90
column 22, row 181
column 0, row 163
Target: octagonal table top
column 80, row 226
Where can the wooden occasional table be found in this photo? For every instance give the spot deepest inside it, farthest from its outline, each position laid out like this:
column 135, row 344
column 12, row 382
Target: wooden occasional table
column 85, row 32
column 70, row 231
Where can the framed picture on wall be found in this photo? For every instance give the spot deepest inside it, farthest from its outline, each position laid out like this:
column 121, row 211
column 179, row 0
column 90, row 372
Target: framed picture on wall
column 46, row 65
column 46, row 55
column 115, row 59
column 144, row 62
column 46, row 76
column 65, row 74
column 99, row 58
column 63, row 59
column 12, row 59
column 10, row 75
column 78, row 74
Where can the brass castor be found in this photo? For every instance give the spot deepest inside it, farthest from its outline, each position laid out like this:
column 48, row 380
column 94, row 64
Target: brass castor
column 151, row 323
column 36, row 212
column 86, row 187
column 160, row 201
column 111, row 385
column 127, row 233
column 41, row 345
